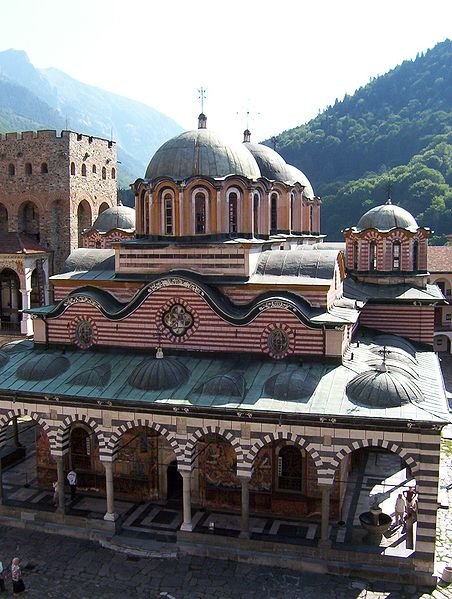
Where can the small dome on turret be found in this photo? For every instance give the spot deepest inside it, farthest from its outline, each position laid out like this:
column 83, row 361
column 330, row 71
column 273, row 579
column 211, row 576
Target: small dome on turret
column 387, row 217
column 118, row 217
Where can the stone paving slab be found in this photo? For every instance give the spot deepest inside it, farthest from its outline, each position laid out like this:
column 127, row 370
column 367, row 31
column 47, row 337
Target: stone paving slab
column 66, row 568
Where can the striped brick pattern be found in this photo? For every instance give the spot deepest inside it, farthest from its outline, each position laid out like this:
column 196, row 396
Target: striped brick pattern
column 414, row 322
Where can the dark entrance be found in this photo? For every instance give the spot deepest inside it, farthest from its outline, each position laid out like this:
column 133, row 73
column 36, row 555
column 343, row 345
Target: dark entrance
column 174, row 480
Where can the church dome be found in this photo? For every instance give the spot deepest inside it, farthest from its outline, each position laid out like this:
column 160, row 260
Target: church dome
column 118, row 217
column 42, row 367
column 297, row 176
column 290, row 386
column 382, row 388
column 159, row 373
column 271, row 164
column 386, row 217
column 201, row 152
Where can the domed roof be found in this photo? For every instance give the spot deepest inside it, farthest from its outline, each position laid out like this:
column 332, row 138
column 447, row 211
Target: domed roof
column 118, row 217
column 382, row 388
column 297, row 176
column 386, row 217
column 231, row 384
column 42, row 367
column 93, row 377
column 290, row 386
column 201, row 152
column 159, row 373
column 271, row 164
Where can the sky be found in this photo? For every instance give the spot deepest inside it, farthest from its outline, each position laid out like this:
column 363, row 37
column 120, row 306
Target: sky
column 269, row 65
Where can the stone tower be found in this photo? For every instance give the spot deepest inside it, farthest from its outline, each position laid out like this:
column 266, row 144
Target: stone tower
column 53, row 187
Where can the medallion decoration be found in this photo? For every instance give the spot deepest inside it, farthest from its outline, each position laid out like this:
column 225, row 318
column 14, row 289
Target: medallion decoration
column 84, row 333
column 178, row 320
column 277, row 340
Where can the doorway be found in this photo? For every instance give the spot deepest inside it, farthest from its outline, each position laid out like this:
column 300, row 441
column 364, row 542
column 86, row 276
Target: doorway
column 174, row 482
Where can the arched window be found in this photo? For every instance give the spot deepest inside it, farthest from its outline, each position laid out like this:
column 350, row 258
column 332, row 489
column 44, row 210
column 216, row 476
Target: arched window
column 11, row 170
column 292, row 211
column 104, row 206
column 256, row 215
column 83, row 170
column 373, row 255
column 396, row 255
column 168, row 214
column 94, row 169
column 28, row 168
column 200, row 213
column 415, row 255
column 355, row 255
column 29, row 220
column 144, row 205
column 104, row 172
column 44, row 168
column 113, row 173
column 233, row 227
column 311, row 219
column 72, row 168
column 84, row 220
column 273, row 212
column 3, row 219
column 290, row 468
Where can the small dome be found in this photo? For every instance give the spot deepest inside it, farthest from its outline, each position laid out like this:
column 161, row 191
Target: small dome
column 297, row 176
column 382, row 389
column 159, row 373
column 83, row 259
column 118, row 217
column 290, row 386
column 201, row 152
column 387, row 217
column 4, row 359
column 231, row 384
column 93, row 377
column 271, row 164
column 42, row 367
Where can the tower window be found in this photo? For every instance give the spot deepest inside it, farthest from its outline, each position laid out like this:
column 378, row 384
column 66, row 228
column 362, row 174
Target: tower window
column 373, row 256
column 396, row 255
column 94, row 169
column 113, row 173
column 28, row 168
column 44, row 168
column 11, row 170
column 168, row 214
column 415, row 255
column 273, row 212
column 355, row 255
column 72, row 168
column 200, row 213
column 83, row 170
column 233, row 212
column 256, row 215
column 104, row 172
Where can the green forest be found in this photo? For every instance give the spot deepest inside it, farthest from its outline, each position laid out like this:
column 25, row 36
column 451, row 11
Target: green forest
column 393, row 136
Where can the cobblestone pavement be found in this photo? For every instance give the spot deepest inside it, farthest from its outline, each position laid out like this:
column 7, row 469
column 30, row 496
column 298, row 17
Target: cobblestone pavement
column 63, row 568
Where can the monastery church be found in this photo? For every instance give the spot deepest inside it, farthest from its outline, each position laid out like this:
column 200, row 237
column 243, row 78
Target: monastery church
column 218, row 374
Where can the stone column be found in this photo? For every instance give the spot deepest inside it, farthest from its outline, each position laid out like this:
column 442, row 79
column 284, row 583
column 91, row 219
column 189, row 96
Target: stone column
column 26, row 325
column 245, row 523
column 60, row 480
column 17, row 443
column 324, row 540
column 110, row 515
column 186, row 493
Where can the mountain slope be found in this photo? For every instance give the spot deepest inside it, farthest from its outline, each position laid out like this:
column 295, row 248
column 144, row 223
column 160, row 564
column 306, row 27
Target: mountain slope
column 63, row 102
column 382, row 126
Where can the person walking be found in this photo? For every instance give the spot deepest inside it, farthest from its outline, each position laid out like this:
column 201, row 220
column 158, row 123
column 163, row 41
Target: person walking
column 16, row 575
column 72, row 480
column 400, row 507
column 2, row 579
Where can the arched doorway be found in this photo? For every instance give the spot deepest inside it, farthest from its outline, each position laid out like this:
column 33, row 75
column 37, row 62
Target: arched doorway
column 104, row 206
column 10, row 301
column 174, row 483
column 29, row 220
column 83, row 457
column 84, row 220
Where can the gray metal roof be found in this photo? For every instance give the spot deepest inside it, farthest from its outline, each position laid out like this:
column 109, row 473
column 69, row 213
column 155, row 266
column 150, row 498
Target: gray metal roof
column 293, row 263
column 83, row 259
column 271, row 164
column 369, row 291
column 387, row 217
column 314, row 388
column 201, row 152
column 118, row 217
column 298, row 176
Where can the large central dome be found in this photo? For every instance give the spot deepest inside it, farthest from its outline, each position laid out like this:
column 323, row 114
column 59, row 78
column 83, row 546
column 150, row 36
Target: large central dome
column 201, row 152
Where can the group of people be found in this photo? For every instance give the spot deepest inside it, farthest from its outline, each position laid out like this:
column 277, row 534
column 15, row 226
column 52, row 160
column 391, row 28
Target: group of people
column 72, row 482
column 16, row 577
column 406, row 507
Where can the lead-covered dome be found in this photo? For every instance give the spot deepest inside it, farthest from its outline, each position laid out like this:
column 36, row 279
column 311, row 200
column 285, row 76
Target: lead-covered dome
column 270, row 163
column 383, row 388
column 386, row 217
column 201, row 152
column 118, row 217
